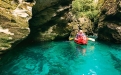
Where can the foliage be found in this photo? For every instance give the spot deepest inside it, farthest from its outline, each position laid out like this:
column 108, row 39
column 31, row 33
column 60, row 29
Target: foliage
column 86, row 8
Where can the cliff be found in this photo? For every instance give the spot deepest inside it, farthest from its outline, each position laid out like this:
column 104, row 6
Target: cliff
column 13, row 26
column 49, row 20
column 109, row 26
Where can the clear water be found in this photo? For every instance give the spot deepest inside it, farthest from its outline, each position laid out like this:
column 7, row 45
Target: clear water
column 63, row 58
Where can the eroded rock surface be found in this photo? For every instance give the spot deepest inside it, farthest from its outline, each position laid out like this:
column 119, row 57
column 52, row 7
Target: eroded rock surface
column 82, row 23
column 109, row 26
column 49, row 20
column 13, row 27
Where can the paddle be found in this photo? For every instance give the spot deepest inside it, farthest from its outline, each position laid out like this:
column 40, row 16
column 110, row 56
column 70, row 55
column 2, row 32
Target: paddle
column 91, row 39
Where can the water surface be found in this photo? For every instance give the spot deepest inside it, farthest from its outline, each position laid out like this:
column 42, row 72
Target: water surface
column 63, row 58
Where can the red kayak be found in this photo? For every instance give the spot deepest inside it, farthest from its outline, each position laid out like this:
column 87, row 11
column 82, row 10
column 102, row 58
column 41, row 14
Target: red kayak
column 81, row 40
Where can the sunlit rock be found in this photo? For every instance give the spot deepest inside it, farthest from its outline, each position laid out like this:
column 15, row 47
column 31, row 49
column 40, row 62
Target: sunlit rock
column 81, row 23
column 14, row 27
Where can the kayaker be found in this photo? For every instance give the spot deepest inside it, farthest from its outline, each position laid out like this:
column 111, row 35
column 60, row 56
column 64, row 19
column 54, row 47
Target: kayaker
column 80, row 34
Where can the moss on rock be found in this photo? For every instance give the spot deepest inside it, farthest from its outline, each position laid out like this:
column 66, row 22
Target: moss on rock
column 13, row 29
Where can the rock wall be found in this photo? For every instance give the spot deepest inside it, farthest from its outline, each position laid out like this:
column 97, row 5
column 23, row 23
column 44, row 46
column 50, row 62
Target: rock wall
column 13, row 27
column 49, row 20
column 81, row 23
column 109, row 26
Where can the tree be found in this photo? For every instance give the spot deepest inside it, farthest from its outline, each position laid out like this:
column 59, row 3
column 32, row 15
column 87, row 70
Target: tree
column 86, row 8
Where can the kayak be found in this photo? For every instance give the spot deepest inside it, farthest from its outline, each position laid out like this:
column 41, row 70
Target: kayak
column 92, row 39
column 82, row 40
column 71, row 38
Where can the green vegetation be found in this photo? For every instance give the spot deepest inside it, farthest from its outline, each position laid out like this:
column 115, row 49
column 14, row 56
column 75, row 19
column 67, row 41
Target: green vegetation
column 86, row 8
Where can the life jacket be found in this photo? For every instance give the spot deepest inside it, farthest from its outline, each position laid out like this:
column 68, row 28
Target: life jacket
column 80, row 36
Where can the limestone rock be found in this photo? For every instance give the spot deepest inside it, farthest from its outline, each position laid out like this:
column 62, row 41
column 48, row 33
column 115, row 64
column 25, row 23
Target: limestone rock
column 110, row 21
column 49, row 20
column 13, row 29
column 82, row 23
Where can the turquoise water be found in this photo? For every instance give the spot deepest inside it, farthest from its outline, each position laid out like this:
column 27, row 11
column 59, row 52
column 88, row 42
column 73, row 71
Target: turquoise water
column 63, row 58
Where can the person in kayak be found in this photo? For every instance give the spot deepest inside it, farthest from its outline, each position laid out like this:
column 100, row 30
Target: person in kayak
column 80, row 34
column 81, row 38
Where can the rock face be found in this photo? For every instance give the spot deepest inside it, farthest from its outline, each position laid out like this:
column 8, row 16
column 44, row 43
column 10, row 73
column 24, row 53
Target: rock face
column 13, row 28
column 49, row 20
column 109, row 26
column 82, row 23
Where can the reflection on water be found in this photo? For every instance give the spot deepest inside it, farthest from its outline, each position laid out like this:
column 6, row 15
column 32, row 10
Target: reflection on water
column 63, row 58
column 80, row 49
